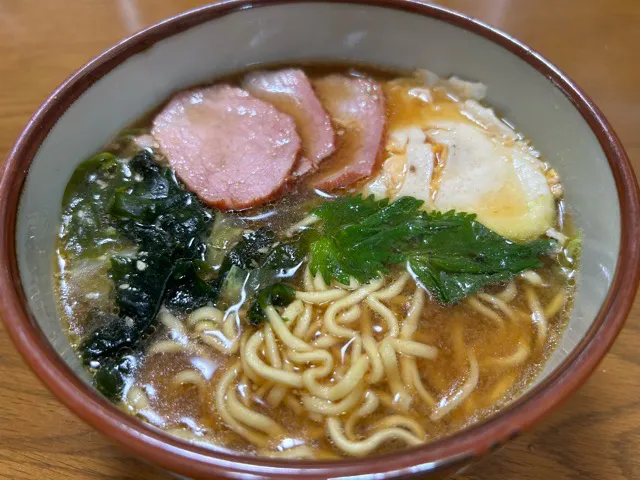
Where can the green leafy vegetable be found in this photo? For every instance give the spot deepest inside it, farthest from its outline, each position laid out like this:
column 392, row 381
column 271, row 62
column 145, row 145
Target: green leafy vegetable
column 347, row 210
column 455, row 262
column 112, row 374
column 251, row 251
column 255, row 268
column 233, row 286
column 157, row 209
column 109, row 335
column 190, row 286
column 226, row 232
column 284, row 259
column 87, row 230
column 451, row 254
column 142, row 203
column 174, row 256
column 365, row 248
column 168, row 224
column 277, row 294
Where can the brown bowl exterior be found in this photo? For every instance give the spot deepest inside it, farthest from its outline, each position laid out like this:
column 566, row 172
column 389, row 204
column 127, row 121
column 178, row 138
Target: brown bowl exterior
column 438, row 458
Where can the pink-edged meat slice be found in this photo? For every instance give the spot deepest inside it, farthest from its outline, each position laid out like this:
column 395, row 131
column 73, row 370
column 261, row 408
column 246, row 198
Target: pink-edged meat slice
column 356, row 105
column 302, row 167
column 290, row 91
column 233, row 150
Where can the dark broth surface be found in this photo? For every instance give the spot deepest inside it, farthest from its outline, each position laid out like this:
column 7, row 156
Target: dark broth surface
column 179, row 363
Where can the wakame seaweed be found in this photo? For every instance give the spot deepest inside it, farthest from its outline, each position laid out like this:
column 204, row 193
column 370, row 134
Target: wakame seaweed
column 168, row 225
column 142, row 204
column 257, row 266
column 87, row 228
column 278, row 294
column 110, row 378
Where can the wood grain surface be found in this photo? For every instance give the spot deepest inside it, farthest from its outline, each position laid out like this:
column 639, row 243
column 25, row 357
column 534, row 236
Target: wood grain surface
column 596, row 435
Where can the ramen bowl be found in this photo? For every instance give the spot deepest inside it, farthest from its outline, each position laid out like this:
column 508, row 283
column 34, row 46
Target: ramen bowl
column 133, row 77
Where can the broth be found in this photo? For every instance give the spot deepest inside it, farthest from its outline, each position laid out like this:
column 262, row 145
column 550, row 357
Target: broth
column 402, row 367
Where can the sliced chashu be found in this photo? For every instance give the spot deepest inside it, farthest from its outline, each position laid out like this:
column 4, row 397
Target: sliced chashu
column 356, row 106
column 290, row 91
column 232, row 149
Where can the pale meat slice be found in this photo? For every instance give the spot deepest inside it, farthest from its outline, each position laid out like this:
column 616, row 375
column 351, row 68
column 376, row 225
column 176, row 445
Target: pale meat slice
column 356, row 105
column 233, row 150
column 302, row 167
column 290, row 91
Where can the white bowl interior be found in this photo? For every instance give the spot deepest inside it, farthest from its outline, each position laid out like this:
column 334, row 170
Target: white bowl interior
column 318, row 31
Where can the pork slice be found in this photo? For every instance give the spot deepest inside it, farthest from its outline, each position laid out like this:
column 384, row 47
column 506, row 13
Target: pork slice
column 302, row 167
column 233, row 150
column 356, row 105
column 290, row 91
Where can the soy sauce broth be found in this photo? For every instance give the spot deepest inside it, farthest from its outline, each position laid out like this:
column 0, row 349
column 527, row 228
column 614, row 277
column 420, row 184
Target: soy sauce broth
column 175, row 388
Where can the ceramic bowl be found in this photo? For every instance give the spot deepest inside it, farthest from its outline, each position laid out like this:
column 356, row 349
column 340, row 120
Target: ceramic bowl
column 136, row 75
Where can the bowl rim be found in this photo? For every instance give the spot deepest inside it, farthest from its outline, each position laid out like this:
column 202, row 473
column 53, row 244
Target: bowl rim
column 185, row 458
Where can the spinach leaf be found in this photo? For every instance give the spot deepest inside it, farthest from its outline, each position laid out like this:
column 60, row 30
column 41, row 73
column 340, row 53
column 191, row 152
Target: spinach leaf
column 458, row 261
column 451, row 255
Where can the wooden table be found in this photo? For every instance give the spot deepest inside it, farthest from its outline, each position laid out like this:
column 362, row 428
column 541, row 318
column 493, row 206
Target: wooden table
column 596, row 435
